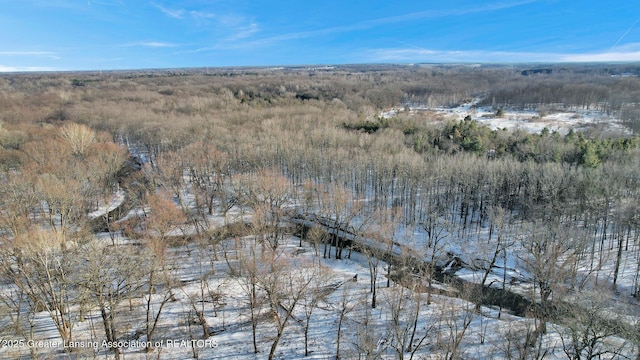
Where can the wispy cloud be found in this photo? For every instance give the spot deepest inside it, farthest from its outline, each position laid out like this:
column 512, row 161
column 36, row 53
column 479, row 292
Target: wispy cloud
column 243, row 32
column 372, row 23
column 201, row 14
column 625, row 52
column 176, row 14
column 437, row 14
column 415, row 54
column 230, row 29
column 611, row 56
column 153, row 44
column 26, row 53
column 4, row 68
column 48, row 54
column 183, row 13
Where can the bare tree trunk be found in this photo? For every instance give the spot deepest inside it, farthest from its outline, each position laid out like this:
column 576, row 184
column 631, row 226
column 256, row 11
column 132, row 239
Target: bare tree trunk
column 110, row 330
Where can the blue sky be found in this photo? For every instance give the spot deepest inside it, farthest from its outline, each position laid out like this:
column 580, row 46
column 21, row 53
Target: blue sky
column 135, row 34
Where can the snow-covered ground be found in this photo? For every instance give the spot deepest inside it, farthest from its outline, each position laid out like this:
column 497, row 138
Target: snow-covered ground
column 210, row 279
column 444, row 326
column 116, row 200
column 530, row 121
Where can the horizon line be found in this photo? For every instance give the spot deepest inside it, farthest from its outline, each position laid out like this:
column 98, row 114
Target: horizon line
column 321, row 65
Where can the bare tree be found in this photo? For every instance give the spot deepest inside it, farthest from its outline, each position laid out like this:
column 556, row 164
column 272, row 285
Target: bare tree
column 549, row 257
column 404, row 306
column 18, row 312
column 78, row 136
column 40, row 268
column 164, row 217
column 18, row 198
column 248, row 273
column 322, row 286
column 339, row 210
column 587, row 323
column 491, row 251
column 267, row 193
column 457, row 316
column 208, row 169
column 170, row 173
column 518, row 340
column 106, row 276
column 373, row 256
column 437, row 231
column 369, row 340
column 388, row 227
column 62, row 200
column 285, row 284
column 105, row 161
column 206, row 295
column 348, row 301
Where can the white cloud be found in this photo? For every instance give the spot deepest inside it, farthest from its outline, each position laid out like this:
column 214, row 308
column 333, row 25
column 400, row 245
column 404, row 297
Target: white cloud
column 628, row 47
column 195, row 51
column 439, row 13
column 231, row 27
column 22, row 53
column 461, row 55
column 4, row 68
column 613, row 56
column 201, row 14
column 245, row 31
column 176, row 14
column 48, row 54
column 155, row 44
column 182, row 13
column 368, row 24
column 416, row 54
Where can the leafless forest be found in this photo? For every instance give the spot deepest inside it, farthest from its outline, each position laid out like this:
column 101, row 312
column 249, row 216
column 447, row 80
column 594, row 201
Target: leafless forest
column 264, row 210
